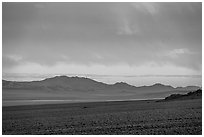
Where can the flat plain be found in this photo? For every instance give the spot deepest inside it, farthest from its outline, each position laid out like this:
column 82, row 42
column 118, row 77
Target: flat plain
column 100, row 118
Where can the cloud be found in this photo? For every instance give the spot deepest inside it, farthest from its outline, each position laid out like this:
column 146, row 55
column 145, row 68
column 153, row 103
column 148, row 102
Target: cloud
column 65, row 57
column 10, row 61
column 182, row 57
column 99, row 69
column 98, row 56
column 127, row 29
column 175, row 53
column 14, row 57
column 151, row 8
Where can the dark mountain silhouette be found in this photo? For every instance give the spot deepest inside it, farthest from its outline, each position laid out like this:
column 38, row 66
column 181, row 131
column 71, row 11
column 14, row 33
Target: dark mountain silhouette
column 123, row 85
column 58, row 82
column 190, row 95
column 64, row 87
column 156, row 87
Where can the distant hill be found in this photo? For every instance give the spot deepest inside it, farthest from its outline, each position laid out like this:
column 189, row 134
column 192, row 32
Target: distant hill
column 63, row 87
column 190, row 95
column 56, row 83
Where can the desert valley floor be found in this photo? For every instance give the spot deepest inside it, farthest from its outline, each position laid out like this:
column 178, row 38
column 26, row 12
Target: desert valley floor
column 117, row 117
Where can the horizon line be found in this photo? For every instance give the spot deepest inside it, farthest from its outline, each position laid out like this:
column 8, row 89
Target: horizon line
column 103, row 75
column 103, row 82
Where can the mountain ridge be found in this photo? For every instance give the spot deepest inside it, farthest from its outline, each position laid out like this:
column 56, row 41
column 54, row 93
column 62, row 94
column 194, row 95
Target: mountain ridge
column 63, row 77
column 80, row 88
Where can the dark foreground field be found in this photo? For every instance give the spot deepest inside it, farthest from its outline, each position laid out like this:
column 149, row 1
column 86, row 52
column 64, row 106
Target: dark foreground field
column 125, row 117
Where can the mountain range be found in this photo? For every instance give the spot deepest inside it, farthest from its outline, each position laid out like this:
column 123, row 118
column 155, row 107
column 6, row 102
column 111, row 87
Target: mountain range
column 80, row 88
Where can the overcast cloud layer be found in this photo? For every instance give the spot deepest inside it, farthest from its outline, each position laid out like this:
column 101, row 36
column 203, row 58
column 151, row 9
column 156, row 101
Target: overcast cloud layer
column 102, row 38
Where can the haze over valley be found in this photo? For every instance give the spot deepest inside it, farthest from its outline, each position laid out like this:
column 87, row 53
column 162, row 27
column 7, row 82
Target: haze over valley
column 80, row 89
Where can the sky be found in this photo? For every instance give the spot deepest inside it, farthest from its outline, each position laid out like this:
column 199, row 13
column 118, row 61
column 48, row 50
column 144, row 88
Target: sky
column 154, row 42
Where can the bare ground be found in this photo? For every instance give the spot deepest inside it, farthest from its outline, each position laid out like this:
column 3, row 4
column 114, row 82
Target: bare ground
column 122, row 117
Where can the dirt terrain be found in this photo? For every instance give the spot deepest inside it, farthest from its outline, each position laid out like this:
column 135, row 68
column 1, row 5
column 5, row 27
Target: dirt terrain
column 122, row 117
